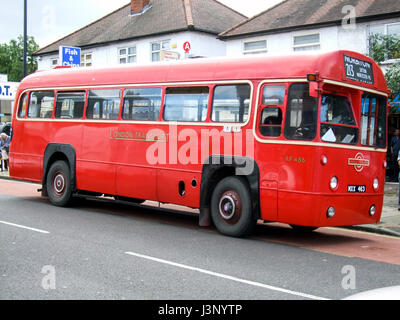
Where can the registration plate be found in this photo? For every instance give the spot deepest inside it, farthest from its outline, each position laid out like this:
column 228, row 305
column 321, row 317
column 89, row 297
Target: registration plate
column 356, row 189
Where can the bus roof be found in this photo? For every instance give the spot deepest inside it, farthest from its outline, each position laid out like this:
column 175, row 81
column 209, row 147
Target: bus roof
column 329, row 65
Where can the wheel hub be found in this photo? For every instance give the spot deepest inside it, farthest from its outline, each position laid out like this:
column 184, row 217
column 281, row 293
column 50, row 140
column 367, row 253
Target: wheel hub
column 58, row 183
column 227, row 207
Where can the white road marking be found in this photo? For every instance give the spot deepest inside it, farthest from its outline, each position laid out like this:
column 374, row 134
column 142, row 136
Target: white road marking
column 23, row 227
column 224, row 276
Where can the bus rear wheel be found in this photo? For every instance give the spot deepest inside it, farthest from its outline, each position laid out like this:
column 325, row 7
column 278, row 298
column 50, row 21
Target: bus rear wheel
column 58, row 184
column 231, row 208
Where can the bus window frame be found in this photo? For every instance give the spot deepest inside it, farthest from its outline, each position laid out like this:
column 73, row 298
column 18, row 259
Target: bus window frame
column 251, row 100
column 77, row 89
column 28, row 92
column 102, row 88
column 261, row 106
column 316, row 114
column 155, row 86
column 195, row 85
column 345, row 94
column 370, row 96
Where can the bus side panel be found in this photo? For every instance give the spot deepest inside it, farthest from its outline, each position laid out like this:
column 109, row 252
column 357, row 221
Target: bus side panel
column 29, row 141
column 269, row 200
column 179, row 187
column 136, row 176
column 136, row 182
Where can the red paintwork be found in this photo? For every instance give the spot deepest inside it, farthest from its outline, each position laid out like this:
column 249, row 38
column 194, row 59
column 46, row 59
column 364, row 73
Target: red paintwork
column 290, row 192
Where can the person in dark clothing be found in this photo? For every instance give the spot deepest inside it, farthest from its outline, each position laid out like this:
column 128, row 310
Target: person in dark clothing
column 394, row 149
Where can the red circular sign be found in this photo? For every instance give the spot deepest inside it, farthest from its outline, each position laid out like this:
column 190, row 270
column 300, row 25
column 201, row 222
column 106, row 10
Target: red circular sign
column 186, row 46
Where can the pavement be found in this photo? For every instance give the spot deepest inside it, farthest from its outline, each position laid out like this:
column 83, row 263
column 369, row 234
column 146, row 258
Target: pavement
column 390, row 219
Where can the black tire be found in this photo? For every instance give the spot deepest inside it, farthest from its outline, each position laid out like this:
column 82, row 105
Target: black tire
column 58, row 184
column 231, row 207
column 303, row 229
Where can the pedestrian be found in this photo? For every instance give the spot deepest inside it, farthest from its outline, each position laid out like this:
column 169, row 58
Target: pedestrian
column 5, row 147
column 395, row 148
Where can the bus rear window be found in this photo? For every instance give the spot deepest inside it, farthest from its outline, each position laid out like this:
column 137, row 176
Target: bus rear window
column 337, row 120
column 70, row 105
column 301, row 114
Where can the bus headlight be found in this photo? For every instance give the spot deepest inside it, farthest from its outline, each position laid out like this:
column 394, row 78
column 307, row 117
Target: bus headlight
column 372, row 210
column 334, row 183
column 324, row 160
column 375, row 185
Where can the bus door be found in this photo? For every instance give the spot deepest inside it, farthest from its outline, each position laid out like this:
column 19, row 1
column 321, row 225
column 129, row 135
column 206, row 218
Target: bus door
column 269, row 129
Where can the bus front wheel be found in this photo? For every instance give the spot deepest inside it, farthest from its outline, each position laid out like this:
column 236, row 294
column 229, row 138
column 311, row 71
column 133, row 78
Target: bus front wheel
column 231, row 208
column 58, row 184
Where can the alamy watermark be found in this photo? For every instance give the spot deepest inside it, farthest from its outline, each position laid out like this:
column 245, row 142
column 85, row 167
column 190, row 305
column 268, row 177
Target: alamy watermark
column 186, row 146
column 349, row 279
column 49, row 280
column 349, row 19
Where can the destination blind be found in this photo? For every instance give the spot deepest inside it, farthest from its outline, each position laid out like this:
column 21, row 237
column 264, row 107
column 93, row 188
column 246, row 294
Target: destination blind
column 358, row 70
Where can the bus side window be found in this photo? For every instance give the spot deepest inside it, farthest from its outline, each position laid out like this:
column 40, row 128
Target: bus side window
column 70, row 104
column 41, row 104
column 103, row 104
column 22, row 106
column 231, row 103
column 301, row 114
column 142, row 104
column 186, row 104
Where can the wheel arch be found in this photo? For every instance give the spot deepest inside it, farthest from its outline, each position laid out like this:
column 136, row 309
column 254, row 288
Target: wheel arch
column 55, row 152
column 217, row 168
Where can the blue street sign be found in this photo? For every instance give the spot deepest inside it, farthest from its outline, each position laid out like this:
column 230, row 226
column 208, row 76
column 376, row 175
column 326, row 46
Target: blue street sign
column 70, row 56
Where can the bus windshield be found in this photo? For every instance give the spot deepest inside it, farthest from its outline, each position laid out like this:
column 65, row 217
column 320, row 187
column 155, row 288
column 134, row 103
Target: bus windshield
column 337, row 120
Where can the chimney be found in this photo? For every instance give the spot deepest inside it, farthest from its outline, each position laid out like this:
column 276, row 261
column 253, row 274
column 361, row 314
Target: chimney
column 137, row 6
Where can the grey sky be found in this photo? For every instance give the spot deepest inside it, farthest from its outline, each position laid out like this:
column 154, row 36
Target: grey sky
column 49, row 20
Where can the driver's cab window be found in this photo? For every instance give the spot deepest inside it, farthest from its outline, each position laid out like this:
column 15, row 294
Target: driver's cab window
column 271, row 114
column 301, row 114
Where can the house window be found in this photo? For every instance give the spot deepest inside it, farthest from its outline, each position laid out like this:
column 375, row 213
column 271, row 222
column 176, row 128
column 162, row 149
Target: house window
column 254, row 47
column 306, row 42
column 54, row 63
column 390, row 29
column 385, row 29
column 157, row 47
column 127, row 55
column 86, row 59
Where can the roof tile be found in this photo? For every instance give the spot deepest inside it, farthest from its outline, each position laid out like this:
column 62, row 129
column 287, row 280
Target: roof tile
column 297, row 13
column 163, row 17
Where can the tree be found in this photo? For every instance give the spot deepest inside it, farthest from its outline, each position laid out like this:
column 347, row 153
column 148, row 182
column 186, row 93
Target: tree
column 383, row 48
column 12, row 58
